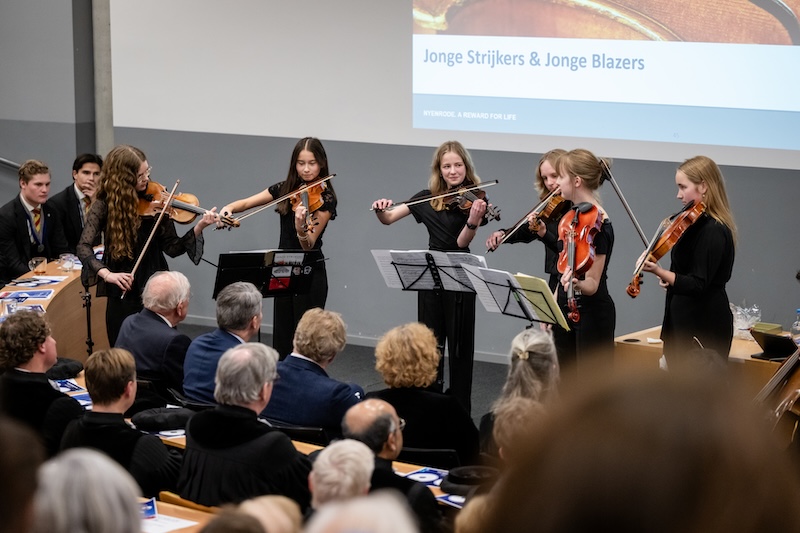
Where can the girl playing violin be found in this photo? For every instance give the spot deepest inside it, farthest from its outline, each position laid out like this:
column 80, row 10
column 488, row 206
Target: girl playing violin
column 591, row 338
column 309, row 163
column 545, row 183
column 114, row 213
column 701, row 264
column 451, row 315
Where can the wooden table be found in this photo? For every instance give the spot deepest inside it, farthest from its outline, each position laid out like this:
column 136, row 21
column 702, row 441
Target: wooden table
column 634, row 351
column 66, row 314
column 170, row 509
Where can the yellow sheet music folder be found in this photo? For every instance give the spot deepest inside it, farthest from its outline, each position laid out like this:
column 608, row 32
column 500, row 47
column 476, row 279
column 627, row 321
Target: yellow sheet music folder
column 541, row 297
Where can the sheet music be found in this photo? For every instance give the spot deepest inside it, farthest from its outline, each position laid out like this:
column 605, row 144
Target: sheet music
column 409, row 269
column 538, row 292
column 492, row 288
column 461, row 259
column 384, row 260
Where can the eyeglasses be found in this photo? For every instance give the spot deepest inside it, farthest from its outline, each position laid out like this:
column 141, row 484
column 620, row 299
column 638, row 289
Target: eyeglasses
column 145, row 175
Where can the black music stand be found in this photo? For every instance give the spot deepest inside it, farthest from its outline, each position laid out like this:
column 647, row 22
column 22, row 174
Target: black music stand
column 273, row 272
column 426, row 270
column 520, row 296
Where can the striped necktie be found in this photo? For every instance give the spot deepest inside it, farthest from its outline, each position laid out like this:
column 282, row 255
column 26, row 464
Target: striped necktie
column 37, row 220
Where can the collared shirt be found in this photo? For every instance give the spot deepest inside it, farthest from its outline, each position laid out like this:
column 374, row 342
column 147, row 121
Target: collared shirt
column 28, row 206
column 304, row 357
column 165, row 319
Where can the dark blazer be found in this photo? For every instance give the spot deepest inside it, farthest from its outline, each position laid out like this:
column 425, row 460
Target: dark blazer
column 304, row 395
column 433, row 420
column 232, row 456
column 69, row 211
column 201, row 361
column 419, row 497
column 30, row 398
column 159, row 350
column 16, row 248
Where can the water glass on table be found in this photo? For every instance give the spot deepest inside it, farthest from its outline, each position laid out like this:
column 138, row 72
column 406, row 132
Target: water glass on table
column 66, row 262
column 38, row 265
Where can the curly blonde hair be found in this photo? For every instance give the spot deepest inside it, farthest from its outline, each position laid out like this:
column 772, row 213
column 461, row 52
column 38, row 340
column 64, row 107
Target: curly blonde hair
column 408, row 356
column 118, row 191
column 320, row 335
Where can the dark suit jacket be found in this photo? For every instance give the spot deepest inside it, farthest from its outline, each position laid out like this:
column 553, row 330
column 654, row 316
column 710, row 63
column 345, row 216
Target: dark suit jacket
column 159, row 350
column 15, row 242
column 433, row 420
column 69, row 211
column 419, row 497
column 305, row 395
column 201, row 361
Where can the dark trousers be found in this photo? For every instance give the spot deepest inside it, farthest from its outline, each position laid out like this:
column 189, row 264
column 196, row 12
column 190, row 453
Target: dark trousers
column 287, row 311
column 451, row 316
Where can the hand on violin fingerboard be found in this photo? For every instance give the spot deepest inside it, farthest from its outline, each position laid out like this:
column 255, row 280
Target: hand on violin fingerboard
column 476, row 212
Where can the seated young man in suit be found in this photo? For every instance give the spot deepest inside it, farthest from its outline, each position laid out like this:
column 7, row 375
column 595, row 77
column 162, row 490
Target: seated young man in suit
column 28, row 226
column 73, row 202
column 111, row 381
column 231, row 455
column 375, row 423
column 305, row 395
column 27, row 351
column 238, row 320
column 150, row 335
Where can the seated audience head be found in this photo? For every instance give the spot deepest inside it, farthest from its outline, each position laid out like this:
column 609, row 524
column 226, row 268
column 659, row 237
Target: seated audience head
column 86, row 173
column 34, row 182
column 111, row 378
column 341, row 471
column 375, row 423
column 514, row 419
column 26, row 343
column 245, row 374
column 167, row 293
column 20, row 457
column 534, row 371
column 380, row 512
column 84, row 490
column 320, row 335
column 232, row 520
column 408, row 356
column 239, row 309
column 657, row 452
column 472, row 517
column 277, row 514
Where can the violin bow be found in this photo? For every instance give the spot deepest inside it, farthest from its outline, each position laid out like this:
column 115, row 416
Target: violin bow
column 442, row 195
column 152, row 233
column 608, row 176
column 299, row 190
column 539, row 206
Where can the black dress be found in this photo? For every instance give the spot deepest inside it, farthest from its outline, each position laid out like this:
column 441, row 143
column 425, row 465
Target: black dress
column 697, row 304
column 592, row 338
column 451, row 315
column 165, row 241
column 287, row 310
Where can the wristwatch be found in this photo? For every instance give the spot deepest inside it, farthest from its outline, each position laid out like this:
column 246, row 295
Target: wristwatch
column 472, row 226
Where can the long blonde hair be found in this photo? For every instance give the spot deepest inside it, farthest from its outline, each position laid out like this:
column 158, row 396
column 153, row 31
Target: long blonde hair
column 118, row 190
column 701, row 169
column 436, row 182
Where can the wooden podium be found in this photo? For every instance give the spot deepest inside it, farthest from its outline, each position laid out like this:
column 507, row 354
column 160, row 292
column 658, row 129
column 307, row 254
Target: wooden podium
column 635, row 351
column 66, row 314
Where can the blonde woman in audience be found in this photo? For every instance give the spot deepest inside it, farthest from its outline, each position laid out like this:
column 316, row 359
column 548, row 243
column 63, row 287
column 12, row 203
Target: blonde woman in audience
column 277, row 514
column 82, row 490
column 408, row 358
column 533, row 374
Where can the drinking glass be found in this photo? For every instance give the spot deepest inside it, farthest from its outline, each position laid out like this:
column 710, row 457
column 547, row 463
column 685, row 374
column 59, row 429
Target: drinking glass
column 38, row 265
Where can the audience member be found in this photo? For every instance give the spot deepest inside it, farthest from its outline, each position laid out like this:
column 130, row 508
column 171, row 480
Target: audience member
column 20, row 457
column 238, row 320
column 73, row 202
column 375, row 423
column 84, row 491
column 231, row 455
column 382, row 512
column 111, row 381
column 277, row 514
column 472, row 517
column 28, row 226
column 232, row 520
column 150, row 335
column 517, row 417
column 533, row 373
column 27, row 351
column 652, row 452
column 408, row 358
column 305, row 395
column 342, row 470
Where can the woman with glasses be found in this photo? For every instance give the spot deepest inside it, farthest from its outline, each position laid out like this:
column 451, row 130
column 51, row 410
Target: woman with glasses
column 114, row 213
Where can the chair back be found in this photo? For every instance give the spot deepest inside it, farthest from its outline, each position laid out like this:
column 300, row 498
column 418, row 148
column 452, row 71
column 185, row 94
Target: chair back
column 311, row 435
column 170, row 497
column 435, row 457
column 183, row 401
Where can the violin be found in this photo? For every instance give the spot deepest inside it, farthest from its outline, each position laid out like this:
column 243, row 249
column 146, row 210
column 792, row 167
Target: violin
column 550, row 207
column 463, row 197
column 577, row 233
column 311, row 199
column 668, row 234
column 428, row 198
column 183, row 208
